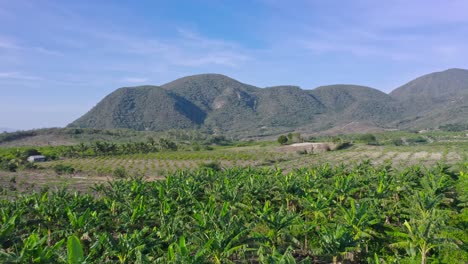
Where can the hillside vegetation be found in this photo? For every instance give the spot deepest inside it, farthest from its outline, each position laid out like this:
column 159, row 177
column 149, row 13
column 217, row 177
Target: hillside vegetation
column 219, row 104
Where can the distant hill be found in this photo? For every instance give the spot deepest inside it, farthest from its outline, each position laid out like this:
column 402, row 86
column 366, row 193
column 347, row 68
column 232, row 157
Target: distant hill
column 434, row 99
column 219, row 104
column 352, row 103
column 142, row 108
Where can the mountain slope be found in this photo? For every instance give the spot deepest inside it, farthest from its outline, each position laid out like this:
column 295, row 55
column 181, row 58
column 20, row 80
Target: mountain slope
column 229, row 104
column 345, row 103
column 433, row 90
column 287, row 106
column 142, row 108
column 220, row 104
column 434, row 99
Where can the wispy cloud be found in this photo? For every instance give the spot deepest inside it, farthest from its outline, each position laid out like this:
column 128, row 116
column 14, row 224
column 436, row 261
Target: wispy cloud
column 395, row 30
column 9, row 44
column 18, row 76
column 187, row 48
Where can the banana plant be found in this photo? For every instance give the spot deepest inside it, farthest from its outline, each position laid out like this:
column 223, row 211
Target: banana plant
column 34, row 250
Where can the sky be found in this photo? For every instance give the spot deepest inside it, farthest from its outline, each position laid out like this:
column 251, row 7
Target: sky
column 60, row 58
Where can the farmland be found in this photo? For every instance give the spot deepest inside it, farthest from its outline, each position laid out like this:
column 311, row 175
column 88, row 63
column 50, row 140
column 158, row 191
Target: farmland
column 398, row 198
column 450, row 149
column 317, row 215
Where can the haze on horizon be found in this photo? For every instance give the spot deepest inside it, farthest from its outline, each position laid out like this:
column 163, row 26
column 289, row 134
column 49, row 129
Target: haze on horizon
column 59, row 58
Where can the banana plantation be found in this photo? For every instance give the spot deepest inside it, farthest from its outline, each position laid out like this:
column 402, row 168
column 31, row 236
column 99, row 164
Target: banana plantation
column 324, row 214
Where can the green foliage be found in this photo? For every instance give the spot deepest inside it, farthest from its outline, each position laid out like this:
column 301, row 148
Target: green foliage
column 417, row 140
column 434, row 100
column 75, row 250
column 213, row 165
column 7, row 137
column 343, row 145
column 282, row 139
column 120, row 172
column 64, row 169
column 454, row 127
column 321, row 214
column 167, row 144
column 368, row 139
column 217, row 103
column 398, row 142
column 8, row 165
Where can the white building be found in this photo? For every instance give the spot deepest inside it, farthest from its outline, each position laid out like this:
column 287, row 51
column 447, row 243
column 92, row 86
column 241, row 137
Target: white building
column 37, row 158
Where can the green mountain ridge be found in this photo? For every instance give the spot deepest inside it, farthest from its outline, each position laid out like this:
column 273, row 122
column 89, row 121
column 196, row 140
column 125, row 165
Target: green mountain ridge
column 219, row 104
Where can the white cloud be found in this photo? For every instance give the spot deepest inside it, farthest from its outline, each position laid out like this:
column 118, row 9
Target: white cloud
column 188, row 48
column 18, row 76
column 12, row 45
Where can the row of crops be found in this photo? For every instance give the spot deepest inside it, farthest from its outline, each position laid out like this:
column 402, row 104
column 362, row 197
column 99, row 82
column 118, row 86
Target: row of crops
column 324, row 214
column 159, row 164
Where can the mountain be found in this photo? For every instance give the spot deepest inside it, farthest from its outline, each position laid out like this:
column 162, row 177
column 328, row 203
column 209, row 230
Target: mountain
column 142, row 108
column 226, row 104
column 352, row 103
column 434, row 99
column 219, row 104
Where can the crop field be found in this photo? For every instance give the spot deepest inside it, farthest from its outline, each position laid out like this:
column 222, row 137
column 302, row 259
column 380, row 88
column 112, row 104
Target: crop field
column 451, row 152
column 324, row 214
column 257, row 203
column 158, row 164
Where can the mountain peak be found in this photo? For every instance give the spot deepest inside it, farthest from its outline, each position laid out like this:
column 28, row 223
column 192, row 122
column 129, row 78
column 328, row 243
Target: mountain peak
column 218, row 103
column 204, row 77
column 456, row 70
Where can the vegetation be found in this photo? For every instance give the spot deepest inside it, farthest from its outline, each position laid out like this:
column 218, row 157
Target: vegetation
column 215, row 103
column 454, row 127
column 63, row 169
column 321, row 214
column 282, row 139
column 431, row 93
column 369, row 139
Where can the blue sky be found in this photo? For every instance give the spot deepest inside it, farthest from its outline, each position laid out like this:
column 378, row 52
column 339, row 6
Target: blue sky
column 59, row 58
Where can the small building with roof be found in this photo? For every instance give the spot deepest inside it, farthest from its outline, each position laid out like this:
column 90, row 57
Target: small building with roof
column 36, row 158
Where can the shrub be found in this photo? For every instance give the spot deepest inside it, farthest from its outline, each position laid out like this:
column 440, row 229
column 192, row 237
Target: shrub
column 368, row 139
column 417, row 140
column 120, row 172
column 343, row 145
column 282, row 139
column 8, row 166
column 214, row 165
column 101, row 171
column 64, row 169
column 196, row 147
column 30, row 165
column 398, row 142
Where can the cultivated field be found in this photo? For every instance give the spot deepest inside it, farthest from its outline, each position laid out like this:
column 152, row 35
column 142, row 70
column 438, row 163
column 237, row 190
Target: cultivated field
column 153, row 166
column 384, row 199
